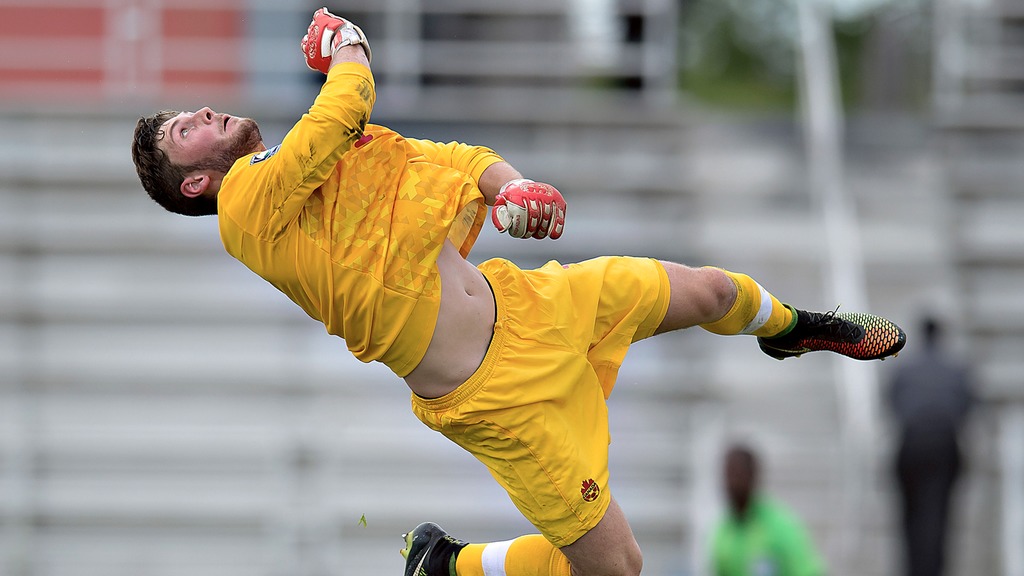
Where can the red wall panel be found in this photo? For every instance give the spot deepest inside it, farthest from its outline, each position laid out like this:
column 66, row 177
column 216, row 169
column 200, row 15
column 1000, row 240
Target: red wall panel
column 125, row 49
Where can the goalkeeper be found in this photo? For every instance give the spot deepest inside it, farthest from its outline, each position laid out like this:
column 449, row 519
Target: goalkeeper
column 368, row 232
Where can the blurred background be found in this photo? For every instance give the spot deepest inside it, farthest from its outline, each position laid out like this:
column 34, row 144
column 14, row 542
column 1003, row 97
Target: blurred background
column 164, row 412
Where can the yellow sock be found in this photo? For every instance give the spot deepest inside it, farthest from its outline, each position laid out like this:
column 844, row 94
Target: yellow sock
column 754, row 312
column 529, row 555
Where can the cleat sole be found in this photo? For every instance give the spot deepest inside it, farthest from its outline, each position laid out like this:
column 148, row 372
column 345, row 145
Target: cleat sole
column 408, row 544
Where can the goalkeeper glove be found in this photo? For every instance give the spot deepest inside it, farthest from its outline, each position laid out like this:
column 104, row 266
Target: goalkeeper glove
column 326, row 34
column 528, row 209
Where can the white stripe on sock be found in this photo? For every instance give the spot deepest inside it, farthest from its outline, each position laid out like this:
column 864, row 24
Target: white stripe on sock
column 494, row 558
column 763, row 313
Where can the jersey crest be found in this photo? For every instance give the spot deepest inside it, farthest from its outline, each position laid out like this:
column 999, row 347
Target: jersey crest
column 260, row 157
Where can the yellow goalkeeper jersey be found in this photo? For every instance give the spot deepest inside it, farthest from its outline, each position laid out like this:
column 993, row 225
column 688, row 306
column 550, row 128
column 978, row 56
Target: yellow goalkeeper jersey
column 348, row 218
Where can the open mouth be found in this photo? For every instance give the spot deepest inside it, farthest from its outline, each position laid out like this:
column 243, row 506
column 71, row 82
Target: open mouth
column 226, row 118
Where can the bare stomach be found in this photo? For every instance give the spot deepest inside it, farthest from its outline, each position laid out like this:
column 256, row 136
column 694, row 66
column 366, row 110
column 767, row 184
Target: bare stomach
column 464, row 327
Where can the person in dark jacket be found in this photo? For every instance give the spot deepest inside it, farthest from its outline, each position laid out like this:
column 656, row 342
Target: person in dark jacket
column 930, row 396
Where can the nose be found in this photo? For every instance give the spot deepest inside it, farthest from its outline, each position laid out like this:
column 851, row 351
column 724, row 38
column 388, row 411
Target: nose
column 205, row 114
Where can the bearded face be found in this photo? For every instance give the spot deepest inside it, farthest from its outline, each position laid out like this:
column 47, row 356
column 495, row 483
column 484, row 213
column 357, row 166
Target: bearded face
column 243, row 140
column 208, row 140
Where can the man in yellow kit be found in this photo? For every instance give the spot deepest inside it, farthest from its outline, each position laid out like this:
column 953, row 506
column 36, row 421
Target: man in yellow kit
column 368, row 232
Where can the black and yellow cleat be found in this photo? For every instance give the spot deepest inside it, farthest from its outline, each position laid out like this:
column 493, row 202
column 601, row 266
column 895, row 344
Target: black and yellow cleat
column 430, row 551
column 853, row 334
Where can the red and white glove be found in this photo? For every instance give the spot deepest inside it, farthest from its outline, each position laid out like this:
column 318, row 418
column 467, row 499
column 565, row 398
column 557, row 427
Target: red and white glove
column 528, row 209
column 326, row 34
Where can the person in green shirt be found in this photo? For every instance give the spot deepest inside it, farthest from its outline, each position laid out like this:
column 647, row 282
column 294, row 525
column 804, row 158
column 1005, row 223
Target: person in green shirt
column 759, row 536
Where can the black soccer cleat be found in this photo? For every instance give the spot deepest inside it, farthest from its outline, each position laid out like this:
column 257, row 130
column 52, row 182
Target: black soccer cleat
column 430, row 551
column 854, row 335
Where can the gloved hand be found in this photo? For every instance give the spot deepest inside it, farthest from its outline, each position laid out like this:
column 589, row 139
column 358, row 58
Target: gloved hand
column 528, row 209
column 326, row 34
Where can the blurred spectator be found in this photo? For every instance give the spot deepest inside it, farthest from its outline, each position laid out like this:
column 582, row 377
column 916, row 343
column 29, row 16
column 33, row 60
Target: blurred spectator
column 758, row 536
column 930, row 396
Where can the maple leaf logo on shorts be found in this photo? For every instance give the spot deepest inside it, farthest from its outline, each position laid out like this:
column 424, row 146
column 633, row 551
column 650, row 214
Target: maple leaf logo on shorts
column 590, row 490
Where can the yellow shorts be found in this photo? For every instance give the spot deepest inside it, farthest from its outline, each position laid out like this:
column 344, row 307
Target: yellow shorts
column 534, row 412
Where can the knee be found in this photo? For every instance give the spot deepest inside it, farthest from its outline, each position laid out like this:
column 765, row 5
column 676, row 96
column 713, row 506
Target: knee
column 719, row 293
column 708, row 292
column 697, row 296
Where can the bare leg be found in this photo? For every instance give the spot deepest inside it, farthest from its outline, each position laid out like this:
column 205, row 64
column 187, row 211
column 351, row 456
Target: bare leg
column 609, row 549
column 698, row 296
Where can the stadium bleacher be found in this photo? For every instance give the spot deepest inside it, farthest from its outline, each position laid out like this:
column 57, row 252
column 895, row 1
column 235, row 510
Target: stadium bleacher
column 163, row 411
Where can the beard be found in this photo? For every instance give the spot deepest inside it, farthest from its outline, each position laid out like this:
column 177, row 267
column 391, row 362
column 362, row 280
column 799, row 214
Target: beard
column 246, row 140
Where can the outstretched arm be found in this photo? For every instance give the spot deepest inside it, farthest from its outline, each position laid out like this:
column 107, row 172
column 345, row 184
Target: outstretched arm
column 494, row 177
column 523, row 208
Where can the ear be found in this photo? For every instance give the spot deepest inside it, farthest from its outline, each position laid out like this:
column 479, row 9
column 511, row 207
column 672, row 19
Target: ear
column 195, row 185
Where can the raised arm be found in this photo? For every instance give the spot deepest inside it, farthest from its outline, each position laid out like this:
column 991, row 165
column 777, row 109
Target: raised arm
column 313, row 147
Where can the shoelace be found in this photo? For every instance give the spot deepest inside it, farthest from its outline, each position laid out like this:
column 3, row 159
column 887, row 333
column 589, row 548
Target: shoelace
column 831, row 325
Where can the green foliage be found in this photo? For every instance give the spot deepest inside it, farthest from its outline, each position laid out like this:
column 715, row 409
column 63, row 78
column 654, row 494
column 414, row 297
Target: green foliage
column 742, row 54
column 725, row 71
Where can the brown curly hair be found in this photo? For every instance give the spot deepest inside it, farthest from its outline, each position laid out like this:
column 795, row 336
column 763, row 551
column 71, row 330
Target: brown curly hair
column 160, row 177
